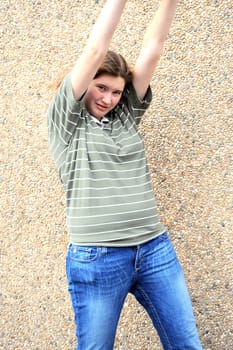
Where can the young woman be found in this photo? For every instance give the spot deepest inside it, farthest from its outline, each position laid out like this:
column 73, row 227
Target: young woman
column 117, row 244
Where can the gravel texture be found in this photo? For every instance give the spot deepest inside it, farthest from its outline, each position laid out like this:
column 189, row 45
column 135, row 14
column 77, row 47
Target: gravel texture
column 189, row 136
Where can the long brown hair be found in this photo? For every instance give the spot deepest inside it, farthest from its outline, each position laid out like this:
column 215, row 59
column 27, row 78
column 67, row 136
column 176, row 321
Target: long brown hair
column 113, row 64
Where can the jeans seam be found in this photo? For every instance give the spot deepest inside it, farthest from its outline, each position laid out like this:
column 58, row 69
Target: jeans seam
column 155, row 314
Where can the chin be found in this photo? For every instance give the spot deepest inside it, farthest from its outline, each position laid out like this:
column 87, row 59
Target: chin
column 98, row 115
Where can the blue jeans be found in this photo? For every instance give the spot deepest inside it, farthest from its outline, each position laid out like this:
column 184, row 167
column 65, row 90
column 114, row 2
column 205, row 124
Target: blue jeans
column 100, row 278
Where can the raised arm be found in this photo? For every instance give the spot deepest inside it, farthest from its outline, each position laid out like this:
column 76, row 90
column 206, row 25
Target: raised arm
column 152, row 46
column 96, row 46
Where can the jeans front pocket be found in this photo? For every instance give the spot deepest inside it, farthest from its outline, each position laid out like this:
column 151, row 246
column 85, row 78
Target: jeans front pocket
column 82, row 253
column 81, row 264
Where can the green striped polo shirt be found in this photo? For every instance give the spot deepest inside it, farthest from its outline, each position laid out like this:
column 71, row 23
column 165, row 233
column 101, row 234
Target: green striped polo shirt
column 104, row 170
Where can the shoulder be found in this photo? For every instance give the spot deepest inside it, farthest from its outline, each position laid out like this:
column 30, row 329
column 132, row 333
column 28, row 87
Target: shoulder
column 64, row 98
column 130, row 95
column 131, row 106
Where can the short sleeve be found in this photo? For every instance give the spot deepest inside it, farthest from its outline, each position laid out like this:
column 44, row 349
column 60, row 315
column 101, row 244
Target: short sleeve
column 136, row 106
column 64, row 112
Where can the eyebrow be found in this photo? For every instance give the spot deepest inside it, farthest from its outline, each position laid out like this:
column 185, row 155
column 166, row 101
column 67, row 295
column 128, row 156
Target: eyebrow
column 106, row 86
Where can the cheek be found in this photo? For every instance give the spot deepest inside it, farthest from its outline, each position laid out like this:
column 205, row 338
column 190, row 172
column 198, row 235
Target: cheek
column 90, row 96
column 116, row 100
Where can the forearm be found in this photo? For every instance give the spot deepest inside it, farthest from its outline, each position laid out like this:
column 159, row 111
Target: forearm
column 152, row 45
column 158, row 29
column 105, row 26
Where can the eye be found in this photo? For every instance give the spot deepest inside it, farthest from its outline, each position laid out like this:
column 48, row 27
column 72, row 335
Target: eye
column 101, row 87
column 117, row 93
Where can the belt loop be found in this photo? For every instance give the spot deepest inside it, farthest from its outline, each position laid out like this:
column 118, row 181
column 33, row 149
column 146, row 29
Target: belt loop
column 104, row 250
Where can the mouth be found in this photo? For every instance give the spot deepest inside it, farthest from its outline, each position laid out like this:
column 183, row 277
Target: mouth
column 101, row 107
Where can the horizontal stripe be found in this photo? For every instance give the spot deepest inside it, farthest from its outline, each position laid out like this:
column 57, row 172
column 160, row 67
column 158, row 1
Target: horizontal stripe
column 111, row 223
column 111, row 214
column 110, row 205
column 110, row 196
column 105, row 161
column 104, row 179
column 129, row 229
column 83, row 189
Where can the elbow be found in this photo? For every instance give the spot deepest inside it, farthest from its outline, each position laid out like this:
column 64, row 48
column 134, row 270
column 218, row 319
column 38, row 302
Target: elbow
column 157, row 50
column 153, row 53
column 96, row 52
column 153, row 49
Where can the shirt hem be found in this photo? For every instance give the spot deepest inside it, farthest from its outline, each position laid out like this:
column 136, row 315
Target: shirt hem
column 120, row 244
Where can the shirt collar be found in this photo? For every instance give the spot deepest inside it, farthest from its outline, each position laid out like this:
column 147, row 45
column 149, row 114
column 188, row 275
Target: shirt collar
column 102, row 121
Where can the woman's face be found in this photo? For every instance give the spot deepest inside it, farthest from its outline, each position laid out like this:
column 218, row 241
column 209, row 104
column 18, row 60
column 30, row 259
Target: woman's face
column 103, row 94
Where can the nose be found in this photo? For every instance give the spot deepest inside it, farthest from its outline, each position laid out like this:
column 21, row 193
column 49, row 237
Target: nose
column 107, row 98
